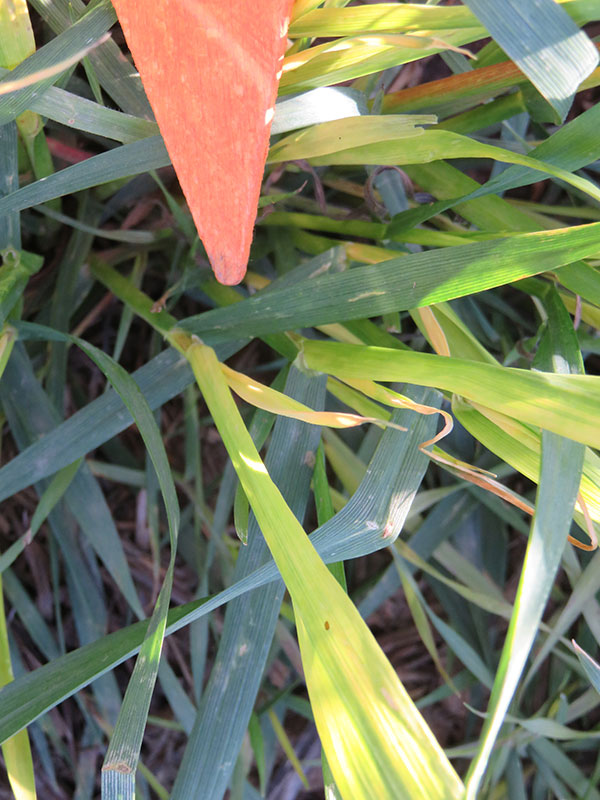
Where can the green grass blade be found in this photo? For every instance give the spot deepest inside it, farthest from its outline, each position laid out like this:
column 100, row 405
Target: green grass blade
column 520, row 446
column 37, row 692
column 86, row 597
column 583, row 593
column 372, row 519
column 250, row 622
column 319, row 105
column 52, row 494
column 353, row 57
column 380, row 18
column 32, row 619
column 331, row 634
column 161, row 379
column 571, row 147
column 126, row 741
column 16, row 34
column 10, row 231
column 580, row 783
column 83, row 497
column 543, row 41
column 129, row 159
column 16, row 269
column 114, row 72
column 336, row 136
column 325, row 509
column 591, row 667
column 410, row 281
column 560, row 476
column 16, row 751
column 489, row 213
column 64, row 302
column 563, row 404
column 18, row 759
column 581, row 279
column 85, row 115
column 64, row 47
column 369, row 140
column 7, row 342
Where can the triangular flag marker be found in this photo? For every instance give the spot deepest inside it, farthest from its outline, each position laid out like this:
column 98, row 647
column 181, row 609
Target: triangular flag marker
column 210, row 69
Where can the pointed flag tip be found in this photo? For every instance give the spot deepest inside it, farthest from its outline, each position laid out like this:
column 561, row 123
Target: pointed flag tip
column 211, row 71
column 228, row 271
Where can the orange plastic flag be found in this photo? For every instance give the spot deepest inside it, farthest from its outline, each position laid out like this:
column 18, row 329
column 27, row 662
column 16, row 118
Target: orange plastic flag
column 210, row 69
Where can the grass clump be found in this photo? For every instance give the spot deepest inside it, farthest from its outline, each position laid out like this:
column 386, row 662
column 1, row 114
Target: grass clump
column 414, row 352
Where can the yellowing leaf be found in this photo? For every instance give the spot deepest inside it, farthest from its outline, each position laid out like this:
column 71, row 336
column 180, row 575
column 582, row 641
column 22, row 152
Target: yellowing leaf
column 564, row 404
column 261, row 396
column 375, row 740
